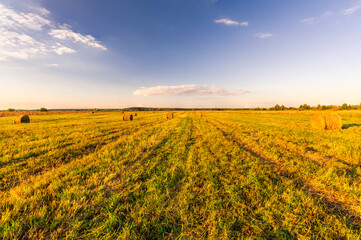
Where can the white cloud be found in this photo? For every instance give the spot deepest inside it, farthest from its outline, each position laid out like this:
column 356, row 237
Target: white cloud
column 312, row 20
column 264, row 35
column 51, row 65
column 40, row 10
column 68, row 34
column 351, row 10
column 243, row 24
column 227, row 21
column 25, row 35
column 19, row 20
column 186, row 90
column 308, row 20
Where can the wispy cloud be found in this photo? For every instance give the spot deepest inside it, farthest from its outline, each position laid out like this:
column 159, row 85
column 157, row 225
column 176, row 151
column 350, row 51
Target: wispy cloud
column 351, row 10
column 327, row 14
column 264, row 35
column 30, row 34
column 308, row 20
column 51, row 65
column 186, row 90
column 227, row 21
column 67, row 34
column 312, row 20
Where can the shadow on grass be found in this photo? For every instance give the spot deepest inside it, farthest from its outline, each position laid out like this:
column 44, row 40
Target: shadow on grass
column 346, row 126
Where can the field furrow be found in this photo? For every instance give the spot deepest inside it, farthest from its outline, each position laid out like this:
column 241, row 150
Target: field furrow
column 219, row 175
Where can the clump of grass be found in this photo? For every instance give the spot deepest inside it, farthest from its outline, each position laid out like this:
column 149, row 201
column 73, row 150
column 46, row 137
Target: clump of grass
column 326, row 121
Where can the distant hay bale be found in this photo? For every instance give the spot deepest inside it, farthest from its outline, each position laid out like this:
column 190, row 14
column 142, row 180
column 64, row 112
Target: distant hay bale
column 203, row 114
column 135, row 114
column 326, row 121
column 22, row 119
column 92, row 112
column 170, row 115
column 127, row 117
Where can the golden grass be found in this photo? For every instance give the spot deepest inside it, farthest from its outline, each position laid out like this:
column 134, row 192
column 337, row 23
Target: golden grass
column 228, row 176
column 326, row 121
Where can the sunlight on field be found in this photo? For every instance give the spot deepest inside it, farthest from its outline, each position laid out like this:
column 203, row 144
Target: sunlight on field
column 219, row 175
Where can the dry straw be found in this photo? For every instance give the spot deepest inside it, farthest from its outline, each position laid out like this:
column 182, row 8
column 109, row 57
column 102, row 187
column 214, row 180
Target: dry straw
column 326, row 121
column 127, row 117
column 22, row 119
column 170, row 115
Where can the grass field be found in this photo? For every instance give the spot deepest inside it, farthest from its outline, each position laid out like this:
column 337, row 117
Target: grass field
column 227, row 175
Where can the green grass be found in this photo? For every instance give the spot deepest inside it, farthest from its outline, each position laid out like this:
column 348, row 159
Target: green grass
column 229, row 175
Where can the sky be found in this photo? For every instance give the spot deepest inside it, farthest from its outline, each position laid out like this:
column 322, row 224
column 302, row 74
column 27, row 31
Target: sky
column 179, row 53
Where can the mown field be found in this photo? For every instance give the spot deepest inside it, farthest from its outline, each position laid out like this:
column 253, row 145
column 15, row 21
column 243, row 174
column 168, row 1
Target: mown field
column 228, row 175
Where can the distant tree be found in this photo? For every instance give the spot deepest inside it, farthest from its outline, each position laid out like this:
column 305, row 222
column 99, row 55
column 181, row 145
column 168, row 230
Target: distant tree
column 344, row 106
column 335, row 108
column 305, row 107
column 277, row 107
column 43, row 110
column 324, row 107
column 11, row 109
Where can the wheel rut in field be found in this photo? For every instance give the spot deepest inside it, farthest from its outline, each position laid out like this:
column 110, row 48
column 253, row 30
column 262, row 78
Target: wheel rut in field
column 342, row 167
column 330, row 201
column 322, row 160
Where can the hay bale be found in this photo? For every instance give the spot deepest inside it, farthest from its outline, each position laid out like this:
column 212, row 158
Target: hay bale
column 127, row 117
column 326, row 121
column 170, row 115
column 22, row 119
column 203, row 114
column 92, row 112
column 135, row 114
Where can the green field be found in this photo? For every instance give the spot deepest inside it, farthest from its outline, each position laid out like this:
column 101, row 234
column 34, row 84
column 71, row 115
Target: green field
column 228, row 175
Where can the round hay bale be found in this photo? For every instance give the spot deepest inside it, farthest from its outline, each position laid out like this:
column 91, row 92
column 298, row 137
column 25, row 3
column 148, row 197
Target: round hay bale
column 127, row 117
column 170, row 115
column 135, row 114
column 203, row 114
column 326, row 121
column 22, row 119
column 92, row 112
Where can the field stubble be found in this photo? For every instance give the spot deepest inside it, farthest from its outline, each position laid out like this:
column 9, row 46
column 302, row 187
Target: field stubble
column 222, row 176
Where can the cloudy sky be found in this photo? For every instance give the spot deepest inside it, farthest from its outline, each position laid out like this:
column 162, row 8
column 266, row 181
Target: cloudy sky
column 179, row 53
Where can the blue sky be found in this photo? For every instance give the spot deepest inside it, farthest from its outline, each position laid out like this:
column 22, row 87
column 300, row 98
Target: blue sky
column 179, row 53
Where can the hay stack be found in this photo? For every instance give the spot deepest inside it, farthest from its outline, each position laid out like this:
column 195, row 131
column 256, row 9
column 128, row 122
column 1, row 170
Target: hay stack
column 326, row 121
column 127, row 117
column 170, row 115
column 22, row 119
